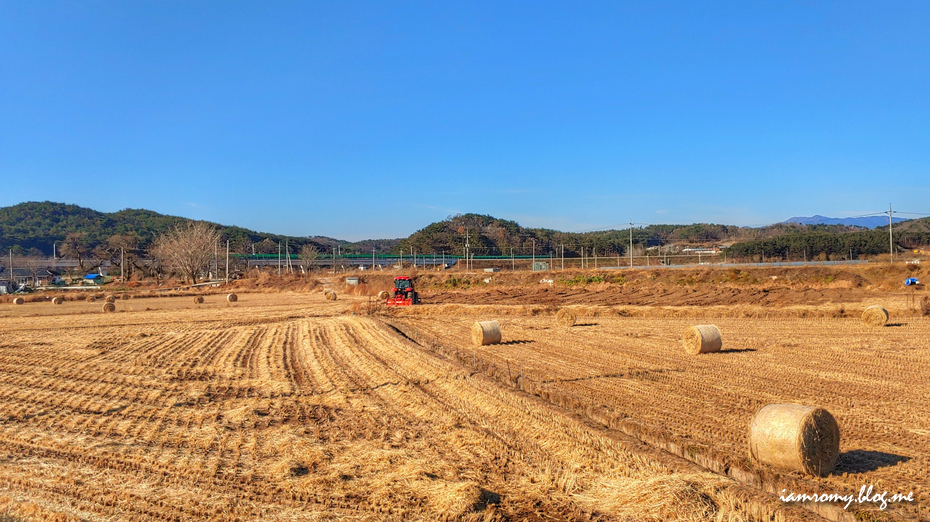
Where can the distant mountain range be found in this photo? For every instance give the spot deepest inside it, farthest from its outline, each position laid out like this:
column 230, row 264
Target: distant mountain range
column 864, row 222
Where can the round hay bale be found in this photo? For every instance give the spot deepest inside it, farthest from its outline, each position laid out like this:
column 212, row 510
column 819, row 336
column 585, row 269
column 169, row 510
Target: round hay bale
column 703, row 338
column 109, row 307
column 198, row 299
column 383, row 294
column 124, row 296
column 110, row 298
column 795, row 437
column 875, row 316
column 331, row 296
column 232, row 298
column 18, row 300
column 58, row 300
column 566, row 317
column 90, row 299
column 486, row 332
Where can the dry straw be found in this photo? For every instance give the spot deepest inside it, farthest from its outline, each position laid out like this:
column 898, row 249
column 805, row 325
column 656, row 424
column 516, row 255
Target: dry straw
column 58, row 300
column 109, row 307
column 875, row 316
column 18, row 300
column 331, row 296
column 795, row 437
column 703, row 338
column 110, row 298
column 566, row 317
column 198, row 299
column 232, row 298
column 486, row 332
column 90, row 299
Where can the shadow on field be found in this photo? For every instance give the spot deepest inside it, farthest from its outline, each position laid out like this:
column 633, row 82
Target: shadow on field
column 891, row 325
column 517, row 341
column 861, row 461
column 585, row 324
column 737, row 350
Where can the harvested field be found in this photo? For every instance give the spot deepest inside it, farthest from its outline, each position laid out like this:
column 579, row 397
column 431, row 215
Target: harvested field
column 275, row 409
column 631, row 374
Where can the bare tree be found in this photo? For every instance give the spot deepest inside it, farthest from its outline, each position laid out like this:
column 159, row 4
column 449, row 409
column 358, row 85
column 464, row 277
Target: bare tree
column 36, row 266
column 76, row 246
column 186, row 249
column 308, row 254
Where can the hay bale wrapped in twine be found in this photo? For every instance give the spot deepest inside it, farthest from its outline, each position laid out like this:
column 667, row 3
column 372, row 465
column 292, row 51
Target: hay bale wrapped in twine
column 198, row 299
column 109, row 307
column 58, row 300
column 331, row 296
column 110, row 298
column 90, row 299
column 383, row 294
column 232, row 298
column 875, row 316
column 486, row 332
column 795, row 437
column 18, row 300
column 566, row 317
column 703, row 338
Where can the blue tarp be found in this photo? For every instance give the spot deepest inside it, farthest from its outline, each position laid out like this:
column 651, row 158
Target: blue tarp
column 911, row 281
column 92, row 276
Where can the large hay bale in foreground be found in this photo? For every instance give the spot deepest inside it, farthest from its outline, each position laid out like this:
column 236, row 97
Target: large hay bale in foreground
column 795, row 437
column 18, row 300
column 232, row 298
column 331, row 296
column 566, row 317
column 58, row 300
column 109, row 307
column 486, row 332
column 198, row 299
column 703, row 338
column 110, row 298
column 875, row 316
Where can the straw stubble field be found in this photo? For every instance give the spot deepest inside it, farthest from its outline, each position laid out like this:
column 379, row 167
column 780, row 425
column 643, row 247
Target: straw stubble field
column 284, row 407
column 633, row 373
column 289, row 407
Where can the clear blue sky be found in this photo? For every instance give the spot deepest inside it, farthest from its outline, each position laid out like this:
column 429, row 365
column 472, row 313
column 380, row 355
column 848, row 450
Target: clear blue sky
column 373, row 119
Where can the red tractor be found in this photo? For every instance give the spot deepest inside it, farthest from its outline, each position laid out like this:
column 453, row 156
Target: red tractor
column 403, row 293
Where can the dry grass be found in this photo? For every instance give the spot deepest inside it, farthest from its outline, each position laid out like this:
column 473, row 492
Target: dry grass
column 276, row 409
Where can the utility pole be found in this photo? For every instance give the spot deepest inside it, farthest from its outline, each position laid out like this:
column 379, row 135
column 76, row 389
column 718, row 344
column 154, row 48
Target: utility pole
column 227, row 261
column 122, row 265
column 216, row 264
column 279, row 258
column 890, row 236
column 631, row 244
column 513, row 261
column 534, row 254
column 372, row 259
column 466, row 249
column 563, row 255
column 55, row 251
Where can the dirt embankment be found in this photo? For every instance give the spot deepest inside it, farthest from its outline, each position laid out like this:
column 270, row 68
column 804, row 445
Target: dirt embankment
column 668, row 287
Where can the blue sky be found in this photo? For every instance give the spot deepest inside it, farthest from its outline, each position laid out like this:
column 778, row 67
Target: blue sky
column 373, row 119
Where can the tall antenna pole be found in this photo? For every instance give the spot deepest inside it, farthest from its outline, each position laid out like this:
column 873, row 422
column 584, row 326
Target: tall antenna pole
column 890, row 237
column 631, row 243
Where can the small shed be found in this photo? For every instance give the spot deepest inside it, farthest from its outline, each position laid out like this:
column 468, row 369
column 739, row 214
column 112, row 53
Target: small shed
column 93, row 279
